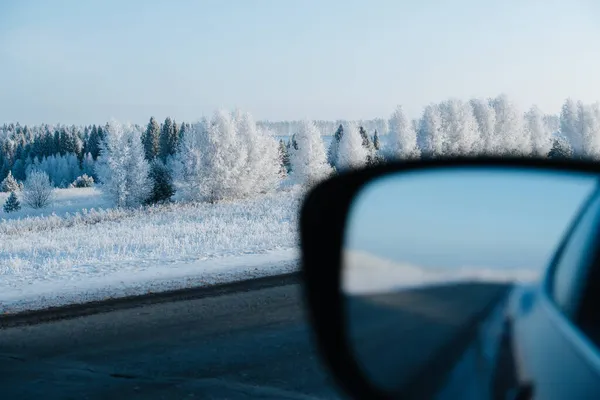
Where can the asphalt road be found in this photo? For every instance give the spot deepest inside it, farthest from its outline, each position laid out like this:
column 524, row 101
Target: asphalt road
column 248, row 344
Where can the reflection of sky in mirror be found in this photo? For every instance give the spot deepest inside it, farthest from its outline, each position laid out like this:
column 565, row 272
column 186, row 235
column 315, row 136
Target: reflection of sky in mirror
column 461, row 218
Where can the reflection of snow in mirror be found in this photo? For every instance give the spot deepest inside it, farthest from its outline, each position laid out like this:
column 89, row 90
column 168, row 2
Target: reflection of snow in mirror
column 367, row 273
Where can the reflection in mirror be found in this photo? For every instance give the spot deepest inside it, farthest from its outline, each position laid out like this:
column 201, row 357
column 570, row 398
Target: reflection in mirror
column 429, row 256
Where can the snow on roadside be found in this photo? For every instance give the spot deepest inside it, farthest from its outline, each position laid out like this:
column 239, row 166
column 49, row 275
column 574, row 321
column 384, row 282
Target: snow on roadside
column 94, row 254
column 157, row 278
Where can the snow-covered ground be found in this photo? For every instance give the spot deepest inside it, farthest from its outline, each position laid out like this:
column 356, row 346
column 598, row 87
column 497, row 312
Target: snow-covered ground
column 113, row 282
column 366, row 273
column 63, row 201
column 82, row 253
column 79, row 249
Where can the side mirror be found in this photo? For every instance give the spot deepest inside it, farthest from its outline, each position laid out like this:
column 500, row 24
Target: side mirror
column 403, row 263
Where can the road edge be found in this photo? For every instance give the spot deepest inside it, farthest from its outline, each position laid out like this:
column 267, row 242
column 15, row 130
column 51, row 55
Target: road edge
column 33, row 317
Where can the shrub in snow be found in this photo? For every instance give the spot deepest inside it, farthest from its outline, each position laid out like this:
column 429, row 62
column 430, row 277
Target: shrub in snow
column 402, row 137
column 9, row 184
column 162, row 182
column 83, row 181
column 122, row 167
column 12, row 203
column 37, row 190
column 227, row 157
column 351, row 152
column 309, row 161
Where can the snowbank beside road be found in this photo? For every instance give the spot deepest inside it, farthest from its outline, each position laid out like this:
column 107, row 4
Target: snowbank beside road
column 40, row 294
column 80, row 255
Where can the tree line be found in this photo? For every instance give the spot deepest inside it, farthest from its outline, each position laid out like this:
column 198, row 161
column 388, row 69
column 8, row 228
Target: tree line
column 230, row 155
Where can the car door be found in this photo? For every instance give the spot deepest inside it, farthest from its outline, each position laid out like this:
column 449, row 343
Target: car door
column 554, row 337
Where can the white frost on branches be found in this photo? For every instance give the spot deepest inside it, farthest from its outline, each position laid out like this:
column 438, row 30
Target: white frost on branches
column 122, row 168
column 309, row 161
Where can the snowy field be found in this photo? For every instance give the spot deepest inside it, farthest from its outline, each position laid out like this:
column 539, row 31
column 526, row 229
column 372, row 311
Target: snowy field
column 86, row 252
column 79, row 249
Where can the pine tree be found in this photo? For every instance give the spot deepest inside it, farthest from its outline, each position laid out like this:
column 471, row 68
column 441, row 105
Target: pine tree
column 182, row 130
column 376, row 143
column 366, row 142
column 284, row 156
column 9, row 184
column 332, row 151
column 151, row 139
column 18, row 169
column 162, row 183
column 168, row 141
column 365, row 138
column 561, row 149
column 12, row 203
column 175, row 138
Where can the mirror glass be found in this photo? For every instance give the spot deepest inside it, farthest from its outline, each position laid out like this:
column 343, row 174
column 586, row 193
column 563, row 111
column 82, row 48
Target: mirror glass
column 429, row 256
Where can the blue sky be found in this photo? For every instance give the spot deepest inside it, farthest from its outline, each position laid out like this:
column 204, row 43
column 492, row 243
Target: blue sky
column 462, row 218
column 76, row 61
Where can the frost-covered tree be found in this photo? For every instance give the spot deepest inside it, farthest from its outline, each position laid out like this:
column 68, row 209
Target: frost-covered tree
column 351, row 152
column 309, row 161
column 433, row 138
column 151, row 139
column 539, row 132
column 9, row 184
column 122, row 167
column 262, row 172
column 590, row 123
column 460, row 129
column 402, row 138
column 332, row 151
column 37, row 190
column 486, row 121
column 570, row 126
column 509, row 128
column 228, row 157
column 12, row 203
